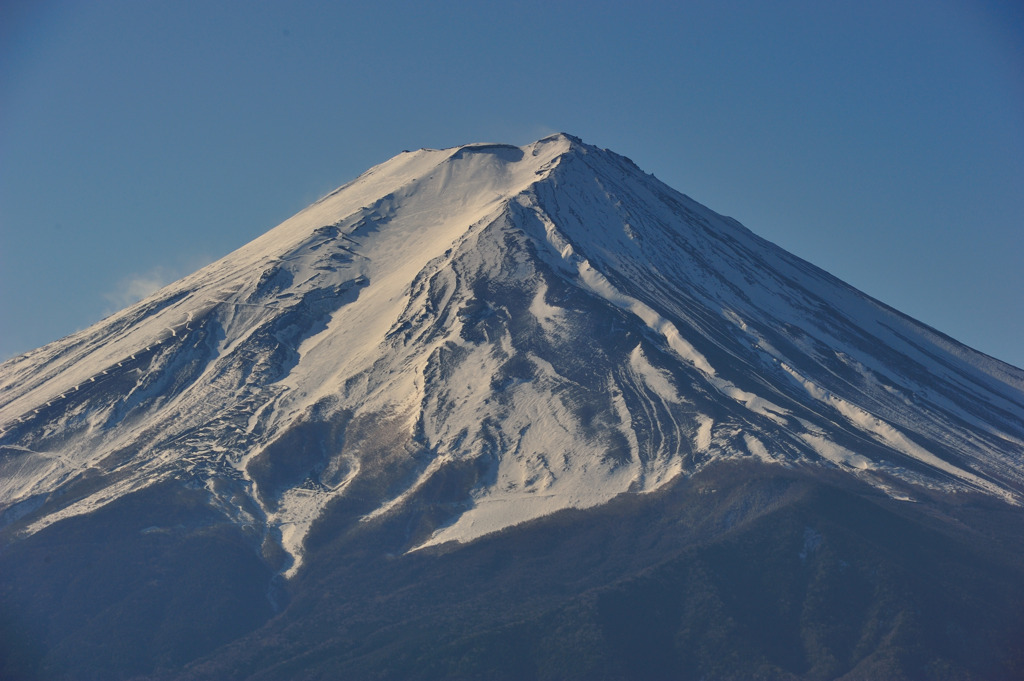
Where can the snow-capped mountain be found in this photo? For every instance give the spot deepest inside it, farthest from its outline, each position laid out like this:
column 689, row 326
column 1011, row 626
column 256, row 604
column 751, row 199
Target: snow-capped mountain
column 532, row 328
column 510, row 412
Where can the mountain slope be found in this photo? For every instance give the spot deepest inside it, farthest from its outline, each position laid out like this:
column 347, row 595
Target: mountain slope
column 744, row 570
column 458, row 342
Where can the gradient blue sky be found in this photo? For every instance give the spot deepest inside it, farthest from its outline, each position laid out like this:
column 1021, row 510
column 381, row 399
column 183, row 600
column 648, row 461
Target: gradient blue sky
column 882, row 141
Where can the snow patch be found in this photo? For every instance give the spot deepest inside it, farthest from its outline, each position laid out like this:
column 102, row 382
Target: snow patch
column 702, row 441
column 757, row 448
column 656, row 379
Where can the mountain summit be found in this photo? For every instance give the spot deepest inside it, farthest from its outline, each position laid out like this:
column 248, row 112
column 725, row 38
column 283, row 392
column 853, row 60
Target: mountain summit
column 474, row 338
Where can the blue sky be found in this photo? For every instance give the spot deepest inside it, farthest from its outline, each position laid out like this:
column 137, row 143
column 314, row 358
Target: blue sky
column 882, row 141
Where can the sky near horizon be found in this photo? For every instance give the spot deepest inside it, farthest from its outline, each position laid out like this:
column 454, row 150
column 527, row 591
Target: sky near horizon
column 881, row 141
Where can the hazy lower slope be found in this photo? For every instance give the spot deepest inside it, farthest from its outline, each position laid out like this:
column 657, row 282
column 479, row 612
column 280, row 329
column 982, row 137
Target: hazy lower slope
column 742, row 571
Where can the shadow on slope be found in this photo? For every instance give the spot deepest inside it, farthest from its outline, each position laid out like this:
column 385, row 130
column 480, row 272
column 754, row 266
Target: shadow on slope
column 740, row 572
column 148, row 582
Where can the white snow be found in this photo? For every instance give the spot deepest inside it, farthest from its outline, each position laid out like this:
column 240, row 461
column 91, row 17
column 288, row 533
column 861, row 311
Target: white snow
column 757, row 448
column 886, row 434
column 599, row 284
column 550, row 318
column 703, row 439
column 656, row 379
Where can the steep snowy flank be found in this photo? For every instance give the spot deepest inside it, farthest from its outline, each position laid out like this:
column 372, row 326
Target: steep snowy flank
column 495, row 333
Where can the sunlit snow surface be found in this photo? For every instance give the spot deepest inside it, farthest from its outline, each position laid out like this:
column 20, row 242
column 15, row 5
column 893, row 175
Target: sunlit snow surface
column 540, row 327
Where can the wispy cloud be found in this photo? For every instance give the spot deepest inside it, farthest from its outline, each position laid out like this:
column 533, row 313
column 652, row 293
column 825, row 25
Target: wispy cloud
column 136, row 286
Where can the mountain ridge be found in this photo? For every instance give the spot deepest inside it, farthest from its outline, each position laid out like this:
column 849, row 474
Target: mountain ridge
column 320, row 330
